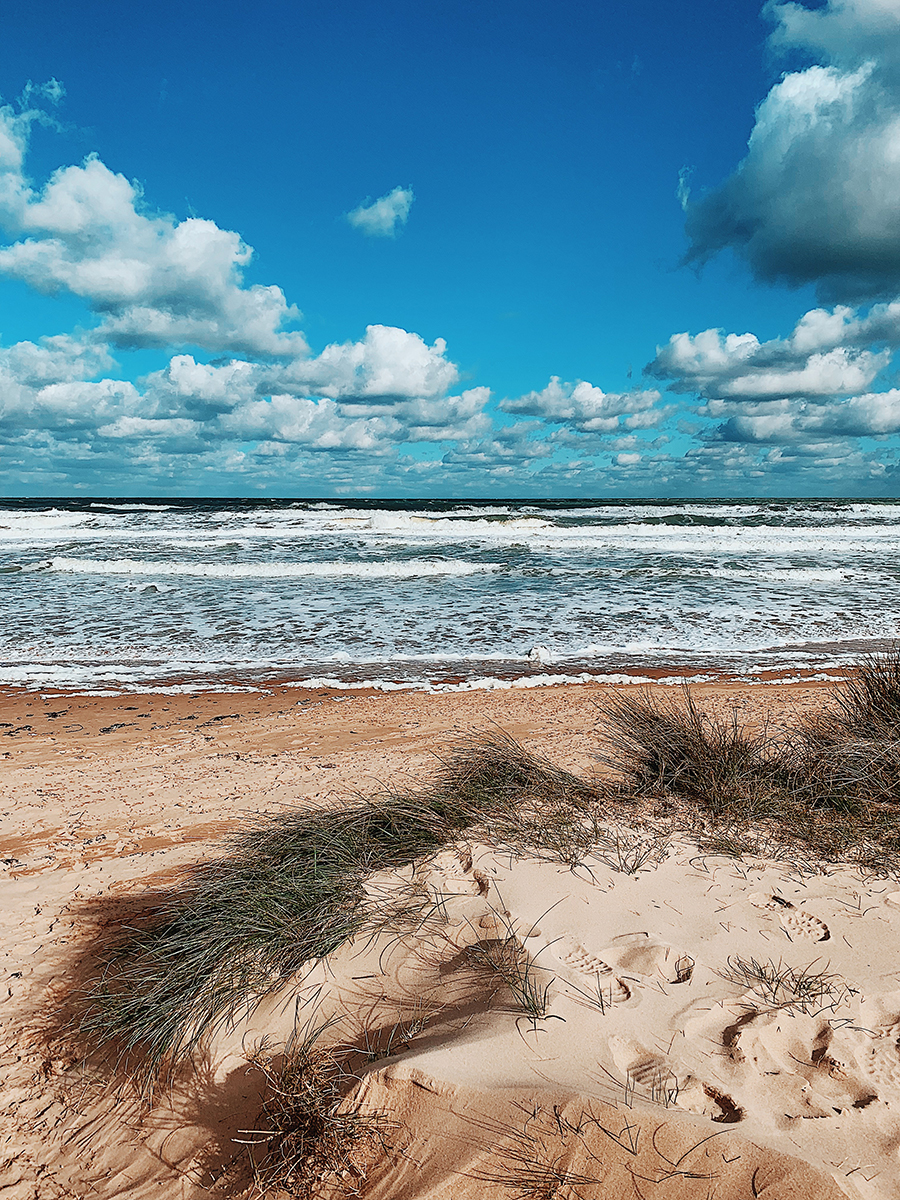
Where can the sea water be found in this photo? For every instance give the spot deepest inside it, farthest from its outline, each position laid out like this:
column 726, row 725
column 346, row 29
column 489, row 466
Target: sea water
column 112, row 595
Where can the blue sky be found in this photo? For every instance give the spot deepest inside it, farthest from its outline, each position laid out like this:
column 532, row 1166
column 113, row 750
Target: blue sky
column 630, row 248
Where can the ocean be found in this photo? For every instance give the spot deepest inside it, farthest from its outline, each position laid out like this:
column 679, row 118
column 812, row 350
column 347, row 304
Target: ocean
column 110, row 595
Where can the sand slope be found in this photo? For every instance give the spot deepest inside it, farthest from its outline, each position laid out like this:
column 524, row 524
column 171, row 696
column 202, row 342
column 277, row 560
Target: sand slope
column 654, row 1039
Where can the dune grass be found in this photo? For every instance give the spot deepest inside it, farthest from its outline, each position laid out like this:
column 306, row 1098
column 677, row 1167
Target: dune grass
column 662, row 746
column 782, row 986
column 306, row 1135
column 826, row 788
column 505, row 961
column 291, row 890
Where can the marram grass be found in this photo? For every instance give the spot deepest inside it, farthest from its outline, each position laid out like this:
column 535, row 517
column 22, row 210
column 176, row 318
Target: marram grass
column 290, row 888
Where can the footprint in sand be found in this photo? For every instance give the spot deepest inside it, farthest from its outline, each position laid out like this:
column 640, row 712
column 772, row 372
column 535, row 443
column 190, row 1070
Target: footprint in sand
column 880, row 1012
column 573, row 954
column 450, row 873
column 641, row 1067
column 792, row 1043
column 707, row 1101
column 879, row 1059
column 795, row 921
column 638, row 954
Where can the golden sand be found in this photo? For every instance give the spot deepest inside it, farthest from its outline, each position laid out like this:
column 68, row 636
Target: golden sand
column 654, row 1071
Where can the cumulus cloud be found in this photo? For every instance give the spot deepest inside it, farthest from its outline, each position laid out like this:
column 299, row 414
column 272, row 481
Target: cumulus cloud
column 381, row 218
column 812, row 386
column 386, row 365
column 58, row 359
column 821, row 357
column 587, row 408
column 72, row 407
column 817, row 197
column 873, row 414
column 153, row 280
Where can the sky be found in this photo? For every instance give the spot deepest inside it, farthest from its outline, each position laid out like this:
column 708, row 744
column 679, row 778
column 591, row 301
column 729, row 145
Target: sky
column 627, row 248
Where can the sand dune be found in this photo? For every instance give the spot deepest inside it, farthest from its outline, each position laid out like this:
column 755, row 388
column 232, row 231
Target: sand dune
column 691, row 1025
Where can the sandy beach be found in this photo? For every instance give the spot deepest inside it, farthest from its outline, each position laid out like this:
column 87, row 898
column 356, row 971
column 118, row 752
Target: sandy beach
column 653, row 1070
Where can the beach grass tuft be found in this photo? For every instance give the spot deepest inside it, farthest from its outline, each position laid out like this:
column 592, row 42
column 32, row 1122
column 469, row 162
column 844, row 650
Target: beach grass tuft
column 781, row 986
column 291, row 890
column 826, row 788
column 306, row 1134
column 660, row 746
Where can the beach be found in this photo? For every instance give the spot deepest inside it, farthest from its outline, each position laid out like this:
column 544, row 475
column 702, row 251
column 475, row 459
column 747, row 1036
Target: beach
column 105, row 797
column 605, row 996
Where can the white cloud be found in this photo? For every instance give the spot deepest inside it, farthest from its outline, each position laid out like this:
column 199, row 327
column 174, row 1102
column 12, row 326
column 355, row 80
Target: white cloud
column 817, row 198
column 386, row 365
column 56, row 359
column 813, row 384
column 841, row 30
column 200, row 390
column 135, row 428
column 75, row 406
column 739, row 366
column 588, row 408
column 155, row 281
column 380, row 218
column 873, row 414
column 318, row 425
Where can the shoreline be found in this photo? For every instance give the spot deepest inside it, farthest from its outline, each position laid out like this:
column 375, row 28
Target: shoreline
column 74, row 717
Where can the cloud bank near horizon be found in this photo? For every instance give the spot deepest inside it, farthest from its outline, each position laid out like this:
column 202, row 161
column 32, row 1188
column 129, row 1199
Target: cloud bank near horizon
column 243, row 399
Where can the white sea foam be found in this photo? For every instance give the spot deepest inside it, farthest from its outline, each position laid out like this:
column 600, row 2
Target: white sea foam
column 484, row 683
column 133, row 595
column 264, row 570
column 133, row 507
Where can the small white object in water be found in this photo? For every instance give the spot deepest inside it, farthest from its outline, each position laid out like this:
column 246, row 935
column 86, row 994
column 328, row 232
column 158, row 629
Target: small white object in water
column 539, row 654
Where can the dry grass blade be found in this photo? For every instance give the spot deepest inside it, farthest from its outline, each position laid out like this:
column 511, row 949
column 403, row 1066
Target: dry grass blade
column 782, row 986
column 506, row 960
column 306, row 1134
column 627, row 851
column 536, row 1159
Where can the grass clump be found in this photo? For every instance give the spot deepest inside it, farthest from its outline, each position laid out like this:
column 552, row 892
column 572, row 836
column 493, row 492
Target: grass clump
column 660, row 746
column 828, row 787
column 628, row 852
column 781, row 986
column 849, row 753
column 307, row 1135
column 537, row 1160
column 291, row 890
